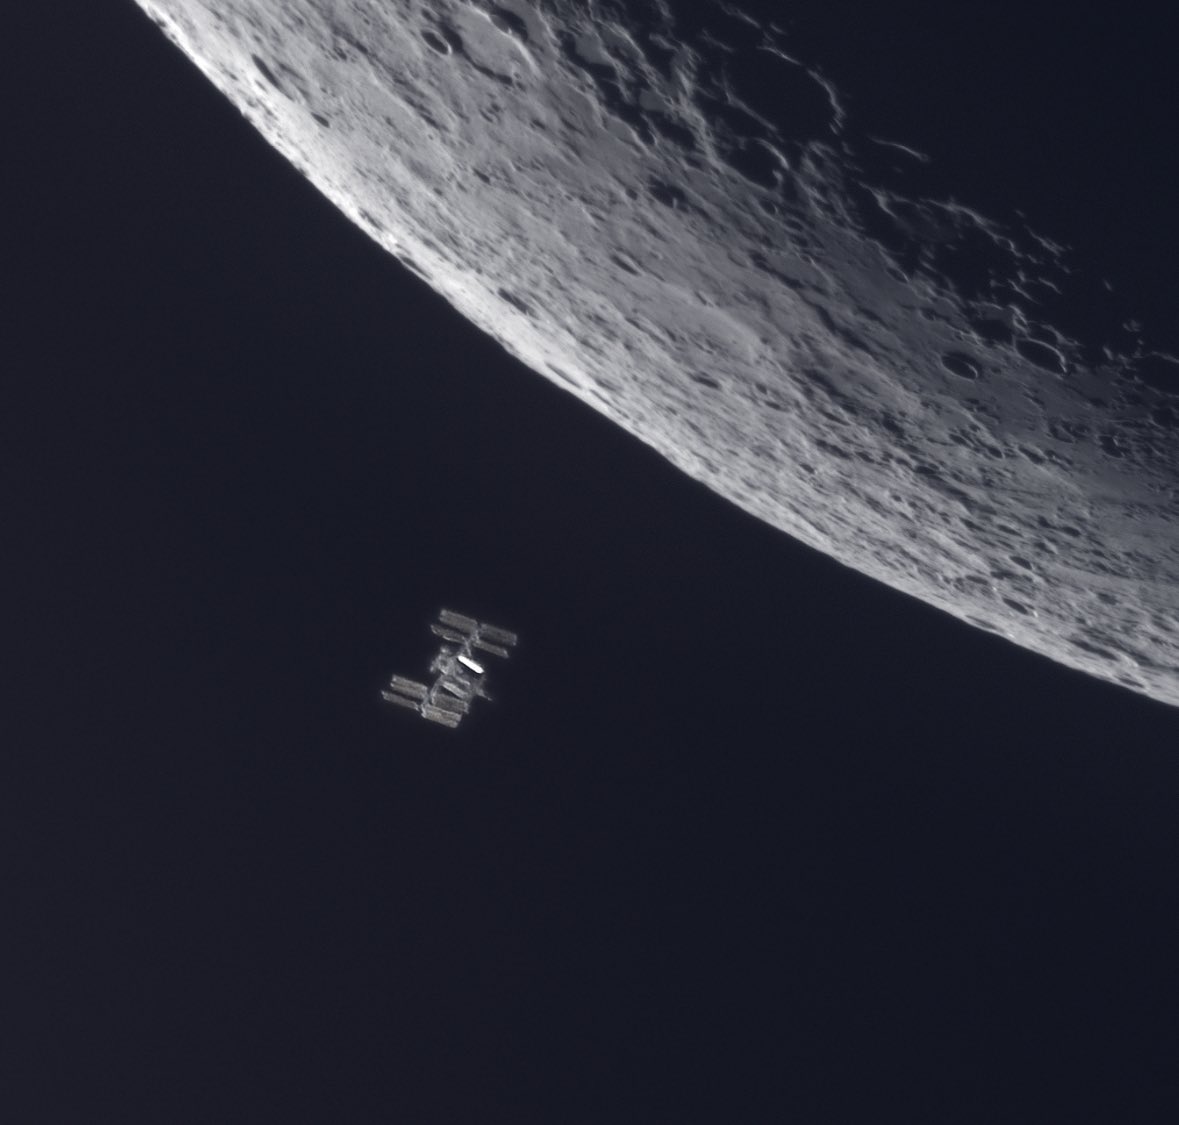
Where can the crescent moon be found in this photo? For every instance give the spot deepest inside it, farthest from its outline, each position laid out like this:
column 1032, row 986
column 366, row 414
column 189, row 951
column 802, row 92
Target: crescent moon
column 735, row 288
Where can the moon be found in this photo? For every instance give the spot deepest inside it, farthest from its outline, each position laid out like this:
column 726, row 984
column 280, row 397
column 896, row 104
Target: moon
column 688, row 232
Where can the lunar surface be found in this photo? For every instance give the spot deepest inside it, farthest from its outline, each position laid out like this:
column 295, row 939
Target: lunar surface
column 686, row 231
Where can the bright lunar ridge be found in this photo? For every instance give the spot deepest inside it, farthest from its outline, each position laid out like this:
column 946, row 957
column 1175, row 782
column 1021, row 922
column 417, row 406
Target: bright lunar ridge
column 686, row 232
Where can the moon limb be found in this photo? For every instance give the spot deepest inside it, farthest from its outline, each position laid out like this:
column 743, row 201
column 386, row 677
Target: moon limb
column 740, row 295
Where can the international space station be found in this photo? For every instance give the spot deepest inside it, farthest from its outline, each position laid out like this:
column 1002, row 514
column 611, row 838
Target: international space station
column 458, row 667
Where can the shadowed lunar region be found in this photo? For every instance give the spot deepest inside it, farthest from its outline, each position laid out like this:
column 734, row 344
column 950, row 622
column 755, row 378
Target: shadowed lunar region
column 687, row 229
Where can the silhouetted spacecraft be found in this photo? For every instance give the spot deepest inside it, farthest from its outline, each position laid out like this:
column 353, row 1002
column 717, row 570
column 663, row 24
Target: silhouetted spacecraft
column 459, row 674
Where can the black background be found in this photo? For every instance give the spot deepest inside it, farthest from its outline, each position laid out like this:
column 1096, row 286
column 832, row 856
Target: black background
column 745, row 837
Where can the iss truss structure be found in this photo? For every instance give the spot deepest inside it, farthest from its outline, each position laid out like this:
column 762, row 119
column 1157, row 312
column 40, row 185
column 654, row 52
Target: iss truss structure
column 459, row 672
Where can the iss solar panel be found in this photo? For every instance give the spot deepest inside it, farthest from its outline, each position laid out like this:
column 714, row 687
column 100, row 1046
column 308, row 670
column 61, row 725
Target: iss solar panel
column 500, row 636
column 449, row 634
column 458, row 620
column 446, row 718
column 408, row 687
column 400, row 700
column 487, row 646
column 447, row 698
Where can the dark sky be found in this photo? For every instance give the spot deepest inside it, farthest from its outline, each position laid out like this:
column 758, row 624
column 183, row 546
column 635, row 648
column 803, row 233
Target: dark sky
column 746, row 837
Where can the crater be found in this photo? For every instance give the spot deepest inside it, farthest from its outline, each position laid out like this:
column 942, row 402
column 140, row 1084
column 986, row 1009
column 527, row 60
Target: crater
column 518, row 303
column 564, row 376
column 1158, row 371
column 625, row 264
column 1093, row 650
column 667, row 194
column 670, row 131
column 442, row 39
column 782, row 92
column 992, row 331
column 734, row 118
column 509, row 23
column 1041, row 354
column 413, row 267
column 267, row 73
column 757, row 163
column 960, row 364
column 1111, row 445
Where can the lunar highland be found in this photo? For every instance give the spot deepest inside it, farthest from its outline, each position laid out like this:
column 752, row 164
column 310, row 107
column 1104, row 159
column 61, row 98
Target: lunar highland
column 687, row 232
